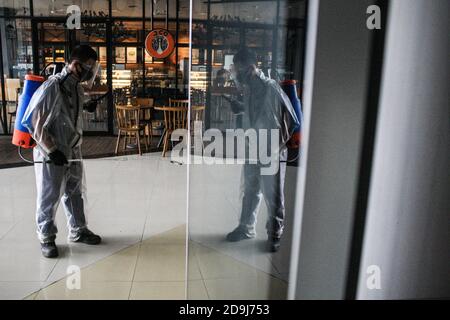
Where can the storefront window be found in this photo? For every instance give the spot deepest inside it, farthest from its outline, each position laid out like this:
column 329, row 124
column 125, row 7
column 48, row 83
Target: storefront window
column 91, row 32
column 94, row 34
column 127, row 31
column 17, row 50
column 129, row 8
column 51, row 32
column 259, row 38
column 289, row 11
column 225, row 34
column 242, row 203
column 162, row 74
column 54, row 8
column 133, row 69
column 9, row 8
column 160, row 8
column 251, row 11
column 183, row 33
column 184, row 9
column 52, row 43
column 17, row 60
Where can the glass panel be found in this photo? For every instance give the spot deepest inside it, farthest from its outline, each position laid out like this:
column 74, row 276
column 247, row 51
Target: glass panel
column 9, row 8
column 126, row 31
column 51, row 32
column 17, row 50
column 53, row 8
column 98, row 120
column 199, row 34
column 91, row 32
column 250, row 11
column 17, row 62
column 54, row 46
column 184, row 9
column 127, row 69
column 128, row 8
column 259, row 38
column 160, row 9
column 292, row 11
column 52, row 40
column 50, row 54
column 162, row 74
column 223, row 33
column 241, row 203
column 183, row 33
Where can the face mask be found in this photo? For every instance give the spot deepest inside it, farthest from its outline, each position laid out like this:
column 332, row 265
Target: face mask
column 244, row 76
column 86, row 72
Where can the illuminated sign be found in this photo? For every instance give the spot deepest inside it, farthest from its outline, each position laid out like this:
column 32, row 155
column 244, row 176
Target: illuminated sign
column 159, row 43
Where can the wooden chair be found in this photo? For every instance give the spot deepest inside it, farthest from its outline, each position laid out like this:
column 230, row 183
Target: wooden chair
column 128, row 122
column 12, row 90
column 197, row 113
column 178, row 103
column 174, row 118
column 12, row 113
column 146, row 105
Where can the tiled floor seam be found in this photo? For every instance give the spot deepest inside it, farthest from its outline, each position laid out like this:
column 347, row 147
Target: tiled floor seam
column 201, row 275
column 238, row 261
column 147, row 217
column 134, row 270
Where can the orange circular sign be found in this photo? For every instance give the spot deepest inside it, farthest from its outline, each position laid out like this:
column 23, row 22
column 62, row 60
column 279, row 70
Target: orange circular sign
column 159, row 43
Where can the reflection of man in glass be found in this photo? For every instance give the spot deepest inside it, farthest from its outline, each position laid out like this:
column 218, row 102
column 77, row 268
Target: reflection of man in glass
column 264, row 106
column 222, row 78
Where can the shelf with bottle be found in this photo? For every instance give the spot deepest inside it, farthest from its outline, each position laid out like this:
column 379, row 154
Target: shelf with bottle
column 199, row 79
column 120, row 78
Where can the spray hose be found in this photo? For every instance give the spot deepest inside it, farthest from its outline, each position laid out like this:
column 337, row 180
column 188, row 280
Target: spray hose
column 48, row 161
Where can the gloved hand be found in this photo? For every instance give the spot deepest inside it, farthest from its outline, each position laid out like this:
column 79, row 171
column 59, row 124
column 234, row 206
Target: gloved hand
column 295, row 141
column 236, row 106
column 58, row 158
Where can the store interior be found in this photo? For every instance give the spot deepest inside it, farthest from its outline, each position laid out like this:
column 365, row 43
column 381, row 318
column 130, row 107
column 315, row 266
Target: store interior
column 35, row 37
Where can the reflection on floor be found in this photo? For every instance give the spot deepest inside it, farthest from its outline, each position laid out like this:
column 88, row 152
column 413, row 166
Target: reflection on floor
column 133, row 202
column 227, row 278
column 214, row 210
column 155, row 269
column 130, row 198
column 151, row 269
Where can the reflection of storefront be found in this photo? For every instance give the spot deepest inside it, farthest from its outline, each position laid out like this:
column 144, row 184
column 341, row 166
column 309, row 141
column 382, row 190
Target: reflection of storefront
column 37, row 36
column 274, row 29
column 33, row 34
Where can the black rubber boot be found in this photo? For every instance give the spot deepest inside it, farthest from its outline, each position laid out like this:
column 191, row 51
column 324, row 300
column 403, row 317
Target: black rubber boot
column 237, row 235
column 49, row 249
column 88, row 237
column 273, row 244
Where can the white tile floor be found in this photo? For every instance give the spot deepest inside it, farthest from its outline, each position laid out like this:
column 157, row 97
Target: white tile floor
column 131, row 199
column 126, row 203
column 214, row 210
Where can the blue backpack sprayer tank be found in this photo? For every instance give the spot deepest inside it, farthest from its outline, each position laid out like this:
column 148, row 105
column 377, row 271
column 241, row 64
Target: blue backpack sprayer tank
column 22, row 137
column 290, row 88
